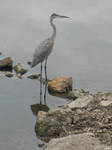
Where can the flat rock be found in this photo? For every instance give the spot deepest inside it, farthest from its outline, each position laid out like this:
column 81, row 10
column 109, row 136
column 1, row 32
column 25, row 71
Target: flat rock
column 60, row 84
column 8, row 74
column 106, row 103
column 34, row 76
column 77, row 93
column 77, row 142
column 81, row 102
column 6, row 62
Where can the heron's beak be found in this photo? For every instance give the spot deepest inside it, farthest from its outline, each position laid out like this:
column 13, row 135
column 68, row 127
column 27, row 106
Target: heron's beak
column 64, row 17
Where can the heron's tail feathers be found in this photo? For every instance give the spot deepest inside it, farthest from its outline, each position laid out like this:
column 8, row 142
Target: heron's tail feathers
column 34, row 63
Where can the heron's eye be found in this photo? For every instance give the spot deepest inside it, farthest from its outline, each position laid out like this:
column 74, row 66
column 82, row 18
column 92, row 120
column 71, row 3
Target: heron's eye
column 53, row 15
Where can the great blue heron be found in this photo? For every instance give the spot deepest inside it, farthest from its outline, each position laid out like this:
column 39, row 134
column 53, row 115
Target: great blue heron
column 45, row 48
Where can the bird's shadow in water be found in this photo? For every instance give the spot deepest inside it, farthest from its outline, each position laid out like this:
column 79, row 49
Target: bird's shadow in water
column 36, row 108
column 42, row 105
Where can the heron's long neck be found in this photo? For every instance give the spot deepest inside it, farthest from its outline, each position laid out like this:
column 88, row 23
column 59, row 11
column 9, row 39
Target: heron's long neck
column 54, row 30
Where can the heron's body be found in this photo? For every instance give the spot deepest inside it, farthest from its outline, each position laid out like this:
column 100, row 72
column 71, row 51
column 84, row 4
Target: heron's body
column 42, row 51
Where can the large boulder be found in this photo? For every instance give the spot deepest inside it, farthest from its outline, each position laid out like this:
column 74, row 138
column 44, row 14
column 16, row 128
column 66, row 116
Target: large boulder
column 53, row 123
column 77, row 142
column 60, row 84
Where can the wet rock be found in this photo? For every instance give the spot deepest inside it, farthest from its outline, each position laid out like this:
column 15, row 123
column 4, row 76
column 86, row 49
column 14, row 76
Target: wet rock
column 20, row 70
column 8, row 74
column 29, row 62
column 81, row 102
column 76, row 142
column 6, row 63
column 34, row 76
column 41, row 145
column 60, row 84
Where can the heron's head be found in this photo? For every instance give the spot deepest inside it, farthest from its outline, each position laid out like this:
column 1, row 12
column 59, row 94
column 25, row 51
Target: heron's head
column 53, row 16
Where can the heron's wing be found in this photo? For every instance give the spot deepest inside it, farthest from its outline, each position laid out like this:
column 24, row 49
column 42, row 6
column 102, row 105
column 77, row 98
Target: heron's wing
column 42, row 51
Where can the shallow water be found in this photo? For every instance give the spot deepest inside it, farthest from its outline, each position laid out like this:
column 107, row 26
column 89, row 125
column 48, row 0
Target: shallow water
column 82, row 50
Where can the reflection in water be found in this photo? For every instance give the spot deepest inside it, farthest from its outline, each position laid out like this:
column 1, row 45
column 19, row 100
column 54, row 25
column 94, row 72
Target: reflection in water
column 41, row 107
column 35, row 108
column 60, row 95
column 45, row 91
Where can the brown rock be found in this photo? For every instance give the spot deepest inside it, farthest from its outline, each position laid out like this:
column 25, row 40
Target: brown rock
column 8, row 74
column 34, row 76
column 6, row 62
column 60, row 84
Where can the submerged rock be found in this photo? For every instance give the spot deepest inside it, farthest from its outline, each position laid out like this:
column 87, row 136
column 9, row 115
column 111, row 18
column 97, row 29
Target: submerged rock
column 60, row 84
column 29, row 62
column 6, row 63
column 20, row 70
column 34, row 76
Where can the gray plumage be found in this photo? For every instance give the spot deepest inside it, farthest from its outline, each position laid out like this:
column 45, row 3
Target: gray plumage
column 42, row 52
column 44, row 49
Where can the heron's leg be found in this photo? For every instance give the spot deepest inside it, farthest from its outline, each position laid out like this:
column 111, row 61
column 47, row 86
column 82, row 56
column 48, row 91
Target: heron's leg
column 45, row 93
column 41, row 84
column 45, row 69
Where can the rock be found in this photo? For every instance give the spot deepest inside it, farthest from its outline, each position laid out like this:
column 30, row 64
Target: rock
column 76, row 142
column 0, row 53
column 71, row 95
column 20, row 70
column 60, row 84
column 29, row 62
column 8, row 74
column 52, row 123
column 34, row 76
column 105, row 103
column 81, row 102
column 41, row 115
column 77, row 93
column 41, row 145
column 104, row 96
column 6, row 63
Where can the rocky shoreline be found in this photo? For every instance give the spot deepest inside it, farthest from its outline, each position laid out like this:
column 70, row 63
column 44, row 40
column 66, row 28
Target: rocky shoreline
column 88, row 116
